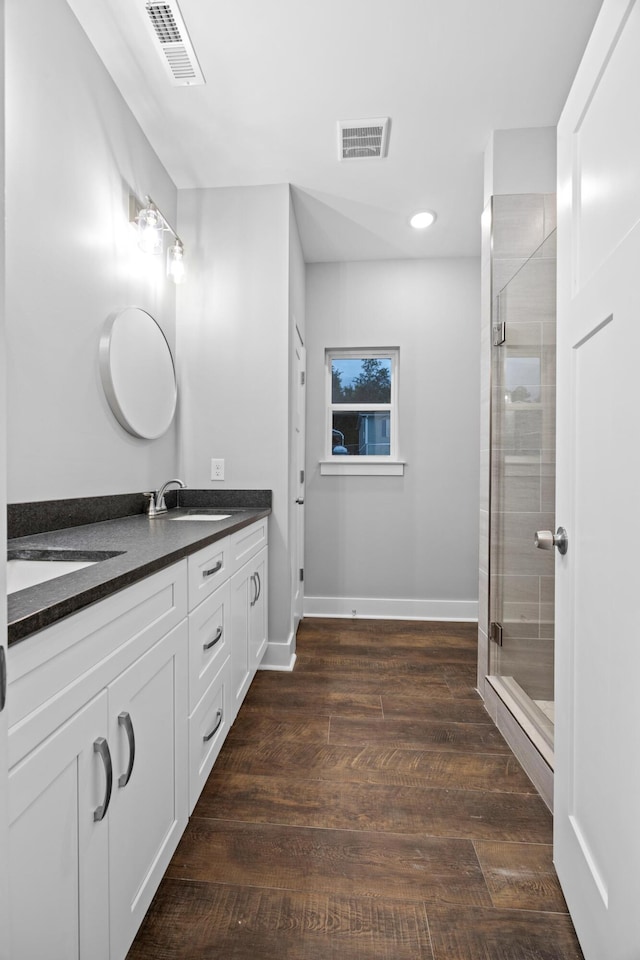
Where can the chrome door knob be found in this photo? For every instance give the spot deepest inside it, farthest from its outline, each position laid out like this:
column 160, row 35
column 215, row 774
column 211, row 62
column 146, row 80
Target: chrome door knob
column 546, row 540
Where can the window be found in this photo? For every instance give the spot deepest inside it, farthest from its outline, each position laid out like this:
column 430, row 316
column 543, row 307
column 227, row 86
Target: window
column 362, row 414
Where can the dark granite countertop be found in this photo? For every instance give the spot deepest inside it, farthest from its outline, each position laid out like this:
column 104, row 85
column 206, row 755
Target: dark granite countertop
column 142, row 546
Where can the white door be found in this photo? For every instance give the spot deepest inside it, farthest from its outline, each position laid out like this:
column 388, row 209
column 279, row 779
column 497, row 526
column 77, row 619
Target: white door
column 4, row 754
column 298, row 453
column 597, row 731
column 4, row 759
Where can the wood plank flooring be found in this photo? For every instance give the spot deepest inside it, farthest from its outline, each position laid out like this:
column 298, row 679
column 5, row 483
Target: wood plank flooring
column 363, row 807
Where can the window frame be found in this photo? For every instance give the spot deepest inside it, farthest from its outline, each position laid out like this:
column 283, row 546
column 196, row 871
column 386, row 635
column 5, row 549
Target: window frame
column 368, row 465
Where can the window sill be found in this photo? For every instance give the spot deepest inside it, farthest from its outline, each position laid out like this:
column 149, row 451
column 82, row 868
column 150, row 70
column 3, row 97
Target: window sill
column 363, row 467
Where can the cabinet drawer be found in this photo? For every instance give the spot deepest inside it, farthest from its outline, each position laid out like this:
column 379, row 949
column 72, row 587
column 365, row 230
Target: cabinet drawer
column 209, row 641
column 208, row 727
column 246, row 543
column 208, row 568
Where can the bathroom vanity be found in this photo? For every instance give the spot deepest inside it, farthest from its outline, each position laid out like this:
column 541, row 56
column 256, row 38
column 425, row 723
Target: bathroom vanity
column 117, row 712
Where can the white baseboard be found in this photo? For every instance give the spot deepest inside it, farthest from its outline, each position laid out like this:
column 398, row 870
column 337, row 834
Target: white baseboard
column 370, row 608
column 280, row 656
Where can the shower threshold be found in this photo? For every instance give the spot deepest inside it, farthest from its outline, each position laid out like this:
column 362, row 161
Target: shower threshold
column 533, row 720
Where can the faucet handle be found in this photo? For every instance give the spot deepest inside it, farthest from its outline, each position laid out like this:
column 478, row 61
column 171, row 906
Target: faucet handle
column 151, row 505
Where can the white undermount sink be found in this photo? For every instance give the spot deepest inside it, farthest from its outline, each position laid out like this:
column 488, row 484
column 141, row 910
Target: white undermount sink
column 203, row 516
column 27, row 573
column 29, row 566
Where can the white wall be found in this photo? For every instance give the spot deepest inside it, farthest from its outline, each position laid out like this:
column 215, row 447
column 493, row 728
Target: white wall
column 233, row 357
column 412, row 538
column 73, row 151
column 520, row 161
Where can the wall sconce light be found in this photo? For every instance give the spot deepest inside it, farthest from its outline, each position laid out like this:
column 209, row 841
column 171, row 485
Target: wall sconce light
column 151, row 225
column 175, row 262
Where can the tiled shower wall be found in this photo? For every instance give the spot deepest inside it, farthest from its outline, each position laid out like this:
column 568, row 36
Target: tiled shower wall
column 513, row 229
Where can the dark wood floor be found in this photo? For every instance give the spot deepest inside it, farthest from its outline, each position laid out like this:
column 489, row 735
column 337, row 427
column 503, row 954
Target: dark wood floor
column 364, row 807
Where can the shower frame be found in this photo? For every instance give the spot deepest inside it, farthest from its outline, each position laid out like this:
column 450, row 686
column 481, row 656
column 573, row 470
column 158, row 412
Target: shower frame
column 515, row 228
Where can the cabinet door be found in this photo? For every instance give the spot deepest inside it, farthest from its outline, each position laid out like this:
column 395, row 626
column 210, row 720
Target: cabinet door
column 258, row 611
column 58, row 852
column 242, row 589
column 248, row 601
column 148, row 730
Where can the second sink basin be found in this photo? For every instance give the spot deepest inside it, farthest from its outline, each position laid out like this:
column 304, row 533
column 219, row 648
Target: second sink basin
column 203, row 516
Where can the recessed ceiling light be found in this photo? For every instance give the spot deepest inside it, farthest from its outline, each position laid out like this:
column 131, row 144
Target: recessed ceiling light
column 421, row 220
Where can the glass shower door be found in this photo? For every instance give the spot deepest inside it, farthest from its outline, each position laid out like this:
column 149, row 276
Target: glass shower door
column 522, row 496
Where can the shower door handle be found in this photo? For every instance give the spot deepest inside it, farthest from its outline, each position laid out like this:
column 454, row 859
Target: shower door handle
column 546, row 540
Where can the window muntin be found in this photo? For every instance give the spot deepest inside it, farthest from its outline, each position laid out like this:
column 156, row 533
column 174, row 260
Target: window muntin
column 362, row 404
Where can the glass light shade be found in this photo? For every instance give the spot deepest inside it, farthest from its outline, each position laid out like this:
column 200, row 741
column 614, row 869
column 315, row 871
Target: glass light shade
column 175, row 263
column 421, row 220
column 150, row 231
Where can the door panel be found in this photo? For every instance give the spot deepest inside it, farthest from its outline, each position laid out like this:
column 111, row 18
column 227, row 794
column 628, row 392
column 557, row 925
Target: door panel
column 58, row 854
column 299, row 486
column 149, row 812
column 242, row 590
column 257, row 612
column 597, row 781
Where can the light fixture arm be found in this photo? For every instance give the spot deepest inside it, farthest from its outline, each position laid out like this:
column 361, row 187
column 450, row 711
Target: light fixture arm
column 165, row 223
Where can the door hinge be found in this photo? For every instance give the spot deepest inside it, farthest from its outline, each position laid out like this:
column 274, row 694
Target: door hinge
column 495, row 633
column 301, row 573
column 499, row 334
column 302, row 476
column 302, row 378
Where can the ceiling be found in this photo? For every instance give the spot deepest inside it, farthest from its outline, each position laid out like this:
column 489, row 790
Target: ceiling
column 281, row 73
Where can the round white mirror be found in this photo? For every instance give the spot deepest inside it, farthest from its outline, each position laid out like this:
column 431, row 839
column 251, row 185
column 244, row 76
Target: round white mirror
column 138, row 374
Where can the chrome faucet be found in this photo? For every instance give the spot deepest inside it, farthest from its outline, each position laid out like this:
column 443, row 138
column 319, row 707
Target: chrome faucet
column 157, row 506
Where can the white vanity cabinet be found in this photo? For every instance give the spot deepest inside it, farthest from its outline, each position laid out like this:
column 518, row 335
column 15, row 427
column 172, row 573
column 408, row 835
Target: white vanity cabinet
column 107, row 686
column 116, row 717
column 248, row 603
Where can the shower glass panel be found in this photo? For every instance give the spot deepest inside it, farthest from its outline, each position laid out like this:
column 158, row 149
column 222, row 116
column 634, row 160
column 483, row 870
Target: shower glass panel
column 521, row 599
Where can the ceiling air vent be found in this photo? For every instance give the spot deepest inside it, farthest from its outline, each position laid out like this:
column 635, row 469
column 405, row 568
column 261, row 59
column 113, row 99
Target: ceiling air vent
column 173, row 43
column 363, row 139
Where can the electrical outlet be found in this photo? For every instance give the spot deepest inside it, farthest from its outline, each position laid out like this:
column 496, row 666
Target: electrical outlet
column 217, row 469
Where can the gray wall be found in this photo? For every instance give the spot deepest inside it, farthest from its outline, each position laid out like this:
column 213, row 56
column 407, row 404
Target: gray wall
column 73, row 151
column 398, row 546
column 233, row 356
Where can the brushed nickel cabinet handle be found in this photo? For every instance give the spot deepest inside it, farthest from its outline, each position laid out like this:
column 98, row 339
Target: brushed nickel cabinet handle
column 124, row 720
column 212, row 643
column 255, row 588
column 208, row 736
column 102, row 747
column 212, row 570
column 259, row 581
